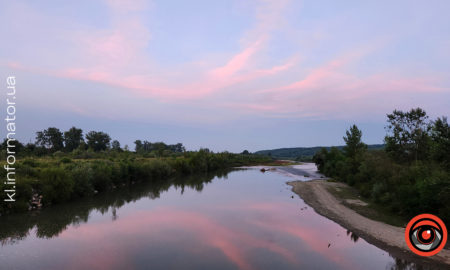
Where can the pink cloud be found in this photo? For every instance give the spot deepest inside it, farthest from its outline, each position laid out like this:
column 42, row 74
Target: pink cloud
column 234, row 244
column 241, row 83
column 117, row 56
column 334, row 88
column 236, row 63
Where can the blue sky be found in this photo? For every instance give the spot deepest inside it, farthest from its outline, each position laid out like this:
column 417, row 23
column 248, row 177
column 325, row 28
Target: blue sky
column 227, row 75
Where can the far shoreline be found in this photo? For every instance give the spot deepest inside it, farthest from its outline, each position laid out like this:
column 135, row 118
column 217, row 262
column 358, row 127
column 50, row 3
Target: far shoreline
column 387, row 237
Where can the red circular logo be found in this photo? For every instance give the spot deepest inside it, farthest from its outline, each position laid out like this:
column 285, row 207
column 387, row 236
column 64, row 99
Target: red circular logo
column 426, row 234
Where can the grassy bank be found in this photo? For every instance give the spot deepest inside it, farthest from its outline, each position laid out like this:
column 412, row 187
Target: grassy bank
column 63, row 177
column 55, row 219
column 366, row 208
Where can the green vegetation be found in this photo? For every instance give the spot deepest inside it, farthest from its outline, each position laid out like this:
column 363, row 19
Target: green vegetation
column 409, row 177
column 61, row 166
column 371, row 210
column 55, row 219
column 281, row 163
column 304, row 153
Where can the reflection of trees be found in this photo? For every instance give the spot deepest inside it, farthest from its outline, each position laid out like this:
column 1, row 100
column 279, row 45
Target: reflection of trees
column 353, row 236
column 401, row 264
column 51, row 221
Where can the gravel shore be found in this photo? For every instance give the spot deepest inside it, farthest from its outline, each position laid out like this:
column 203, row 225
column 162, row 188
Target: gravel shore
column 387, row 237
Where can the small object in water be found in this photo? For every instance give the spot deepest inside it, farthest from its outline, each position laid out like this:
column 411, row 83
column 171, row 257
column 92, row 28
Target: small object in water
column 292, row 197
column 329, row 245
column 263, row 170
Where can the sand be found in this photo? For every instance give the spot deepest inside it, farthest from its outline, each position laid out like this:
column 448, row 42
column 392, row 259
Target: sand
column 384, row 236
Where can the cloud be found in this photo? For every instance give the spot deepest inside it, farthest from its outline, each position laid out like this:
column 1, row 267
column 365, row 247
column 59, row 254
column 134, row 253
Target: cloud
column 334, row 88
column 234, row 244
column 236, row 63
column 262, row 75
column 118, row 55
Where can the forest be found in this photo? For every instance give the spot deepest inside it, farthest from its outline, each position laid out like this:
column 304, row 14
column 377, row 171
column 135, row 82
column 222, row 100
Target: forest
column 410, row 176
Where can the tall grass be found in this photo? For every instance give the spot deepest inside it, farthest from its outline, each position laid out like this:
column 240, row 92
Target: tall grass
column 63, row 178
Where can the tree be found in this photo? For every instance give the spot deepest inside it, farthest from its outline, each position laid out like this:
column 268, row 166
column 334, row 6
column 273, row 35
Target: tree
column 13, row 145
column 159, row 147
column 115, row 145
column 30, row 148
column 83, row 146
column 98, row 140
column 407, row 137
column 245, row 152
column 138, row 146
column 354, row 146
column 51, row 138
column 440, row 137
column 72, row 138
column 320, row 158
column 177, row 148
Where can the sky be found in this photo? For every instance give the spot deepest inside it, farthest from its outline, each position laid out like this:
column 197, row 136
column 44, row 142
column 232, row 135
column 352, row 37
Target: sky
column 226, row 75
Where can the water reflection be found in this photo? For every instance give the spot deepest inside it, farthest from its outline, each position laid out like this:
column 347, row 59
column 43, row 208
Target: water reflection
column 401, row 264
column 51, row 221
column 353, row 236
column 245, row 222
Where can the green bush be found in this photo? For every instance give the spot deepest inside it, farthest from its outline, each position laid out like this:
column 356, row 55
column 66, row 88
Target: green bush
column 59, row 178
column 405, row 189
column 30, row 162
column 102, row 176
column 56, row 185
column 58, row 154
column 82, row 176
column 66, row 160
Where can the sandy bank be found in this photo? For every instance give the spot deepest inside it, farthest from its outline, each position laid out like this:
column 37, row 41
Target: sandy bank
column 384, row 236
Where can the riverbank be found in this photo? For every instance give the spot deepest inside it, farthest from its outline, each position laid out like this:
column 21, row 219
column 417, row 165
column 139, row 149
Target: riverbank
column 390, row 238
column 50, row 180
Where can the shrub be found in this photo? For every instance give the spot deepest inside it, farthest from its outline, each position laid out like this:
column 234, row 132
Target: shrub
column 58, row 154
column 102, row 177
column 83, row 176
column 66, row 160
column 56, row 185
column 30, row 162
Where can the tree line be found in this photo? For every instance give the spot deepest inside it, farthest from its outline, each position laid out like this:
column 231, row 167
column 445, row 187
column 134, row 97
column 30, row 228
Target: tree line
column 52, row 140
column 60, row 179
column 411, row 175
column 64, row 166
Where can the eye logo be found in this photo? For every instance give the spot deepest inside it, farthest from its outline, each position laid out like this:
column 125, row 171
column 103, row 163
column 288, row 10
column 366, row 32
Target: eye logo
column 426, row 235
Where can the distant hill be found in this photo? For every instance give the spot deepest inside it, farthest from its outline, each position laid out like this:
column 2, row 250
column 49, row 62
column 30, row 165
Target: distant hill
column 304, row 153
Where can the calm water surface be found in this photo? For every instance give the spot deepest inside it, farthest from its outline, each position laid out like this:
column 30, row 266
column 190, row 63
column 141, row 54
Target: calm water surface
column 243, row 220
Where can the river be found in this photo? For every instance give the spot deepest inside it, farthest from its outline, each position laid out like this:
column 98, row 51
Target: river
column 243, row 219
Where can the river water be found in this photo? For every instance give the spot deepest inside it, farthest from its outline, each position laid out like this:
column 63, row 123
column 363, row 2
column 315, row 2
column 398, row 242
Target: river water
column 243, row 219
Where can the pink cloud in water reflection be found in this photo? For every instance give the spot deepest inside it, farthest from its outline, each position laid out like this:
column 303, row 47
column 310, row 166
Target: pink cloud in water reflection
column 234, row 244
column 203, row 232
